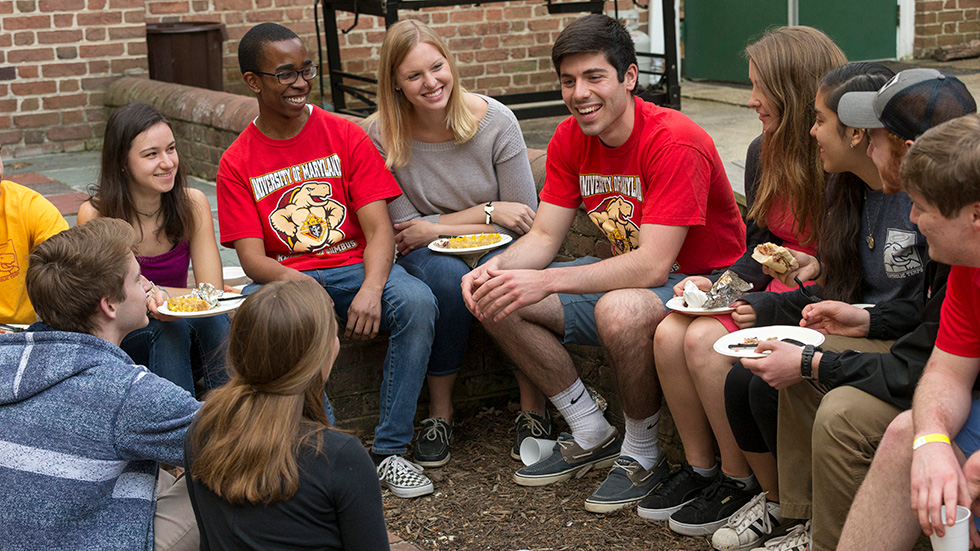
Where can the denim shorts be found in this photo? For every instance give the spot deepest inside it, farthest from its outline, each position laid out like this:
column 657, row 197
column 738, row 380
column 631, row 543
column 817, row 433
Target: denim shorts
column 580, row 326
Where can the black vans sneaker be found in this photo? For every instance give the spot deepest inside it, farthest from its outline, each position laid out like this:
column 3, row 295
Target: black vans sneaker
column 710, row 510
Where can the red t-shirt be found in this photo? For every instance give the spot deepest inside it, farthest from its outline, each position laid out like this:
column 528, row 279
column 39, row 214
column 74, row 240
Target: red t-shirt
column 959, row 323
column 668, row 172
column 301, row 195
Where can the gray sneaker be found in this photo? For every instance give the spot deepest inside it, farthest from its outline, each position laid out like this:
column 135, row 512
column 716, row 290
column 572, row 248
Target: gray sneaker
column 626, row 484
column 530, row 425
column 569, row 459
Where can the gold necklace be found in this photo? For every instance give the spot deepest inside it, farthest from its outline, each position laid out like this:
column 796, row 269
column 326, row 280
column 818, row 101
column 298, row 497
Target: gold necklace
column 870, row 240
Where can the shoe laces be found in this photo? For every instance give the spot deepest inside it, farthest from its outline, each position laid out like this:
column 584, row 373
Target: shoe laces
column 752, row 511
column 675, row 478
column 796, row 539
column 396, row 463
column 530, row 421
column 627, row 464
column 435, row 429
column 721, row 483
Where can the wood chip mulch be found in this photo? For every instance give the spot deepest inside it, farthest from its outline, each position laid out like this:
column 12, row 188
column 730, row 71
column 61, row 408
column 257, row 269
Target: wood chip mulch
column 477, row 506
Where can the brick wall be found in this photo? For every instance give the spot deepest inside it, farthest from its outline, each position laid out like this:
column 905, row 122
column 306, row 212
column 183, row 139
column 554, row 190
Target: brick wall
column 944, row 23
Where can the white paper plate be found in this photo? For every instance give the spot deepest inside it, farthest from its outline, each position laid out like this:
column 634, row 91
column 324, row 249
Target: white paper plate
column 435, row 246
column 223, row 308
column 677, row 303
column 802, row 334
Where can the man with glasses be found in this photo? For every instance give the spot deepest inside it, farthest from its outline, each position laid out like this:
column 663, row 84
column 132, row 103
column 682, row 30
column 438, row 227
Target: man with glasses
column 303, row 194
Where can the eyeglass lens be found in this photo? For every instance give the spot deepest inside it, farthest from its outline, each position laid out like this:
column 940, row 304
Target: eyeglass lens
column 289, row 77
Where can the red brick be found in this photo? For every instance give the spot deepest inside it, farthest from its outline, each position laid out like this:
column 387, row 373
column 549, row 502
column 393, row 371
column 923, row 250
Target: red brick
column 542, row 25
column 500, row 27
column 95, row 34
column 232, row 5
column 29, row 22
column 35, row 121
column 468, row 15
column 98, row 83
column 119, row 66
column 6, row 40
column 98, row 66
column 460, row 44
column 64, row 20
column 102, row 50
column 74, row 132
column 72, row 117
column 135, row 17
column 491, row 55
column 68, row 85
column 63, row 69
column 21, row 56
column 136, row 48
column 125, row 4
column 263, row 16
column 59, row 37
column 29, row 104
column 96, row 19
column 61, row 5
column 62, row 101
column 950, row 16
column 96, row 4
column 26, row 6
column 969, row 26
column 122, row 33
column 25, row 38
column 27, row 71
column 157, row 8
column 34, row 88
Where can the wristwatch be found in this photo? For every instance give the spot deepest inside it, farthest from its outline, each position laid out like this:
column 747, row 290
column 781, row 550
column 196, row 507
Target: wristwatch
column 806, row 362
column 488, row 208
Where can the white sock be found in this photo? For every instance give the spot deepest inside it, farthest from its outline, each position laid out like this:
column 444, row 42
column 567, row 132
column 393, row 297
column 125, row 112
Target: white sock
column 749, row 481
column 710, row 472
column 589, row 427
column 641, row 440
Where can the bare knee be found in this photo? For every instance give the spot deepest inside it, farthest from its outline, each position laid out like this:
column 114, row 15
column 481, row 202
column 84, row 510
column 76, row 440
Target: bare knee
column 625, row 315
column 698, row 342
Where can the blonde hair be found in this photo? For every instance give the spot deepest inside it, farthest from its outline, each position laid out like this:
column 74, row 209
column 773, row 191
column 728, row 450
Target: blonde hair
column 790, row 61
column 394, row 110
column 249, row 432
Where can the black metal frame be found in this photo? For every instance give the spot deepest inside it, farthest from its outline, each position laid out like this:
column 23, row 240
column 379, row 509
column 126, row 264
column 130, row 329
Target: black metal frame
column 665, row 92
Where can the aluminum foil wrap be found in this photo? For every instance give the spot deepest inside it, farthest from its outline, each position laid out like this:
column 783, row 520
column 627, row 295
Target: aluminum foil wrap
column 207, row 293
column 726, row 290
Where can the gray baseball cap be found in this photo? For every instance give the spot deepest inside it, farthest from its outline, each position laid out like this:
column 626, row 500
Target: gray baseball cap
column 912, row 102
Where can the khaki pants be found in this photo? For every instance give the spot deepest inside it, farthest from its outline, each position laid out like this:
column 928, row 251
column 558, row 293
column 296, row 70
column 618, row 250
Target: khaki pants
column 174, row 525
column 826, row 441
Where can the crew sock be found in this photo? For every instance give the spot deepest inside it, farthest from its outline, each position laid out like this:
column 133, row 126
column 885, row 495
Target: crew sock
column 589, row 427
column 640, row 442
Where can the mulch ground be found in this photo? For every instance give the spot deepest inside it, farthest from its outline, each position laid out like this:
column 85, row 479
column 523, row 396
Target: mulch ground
column 476, row 504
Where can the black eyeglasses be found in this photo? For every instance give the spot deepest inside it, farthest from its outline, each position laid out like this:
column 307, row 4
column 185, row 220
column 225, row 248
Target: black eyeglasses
column 289, row 77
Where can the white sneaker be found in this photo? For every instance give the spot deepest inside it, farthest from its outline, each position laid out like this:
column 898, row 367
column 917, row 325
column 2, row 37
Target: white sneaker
column 747, row 526
column 404, row 478
column 797, row 539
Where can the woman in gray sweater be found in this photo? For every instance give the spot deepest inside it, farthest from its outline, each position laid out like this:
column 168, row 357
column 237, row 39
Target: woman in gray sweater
column 462, row 165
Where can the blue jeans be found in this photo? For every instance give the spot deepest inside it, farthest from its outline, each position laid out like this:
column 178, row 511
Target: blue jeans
column 183, row 351
column 408, row 313
column 443, row 275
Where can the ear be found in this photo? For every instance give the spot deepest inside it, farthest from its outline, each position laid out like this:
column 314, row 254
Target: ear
column 975, row 215
column 107, row 309
column 253, row 81
column 908, row 144
column 629, row 79
column 857, row 136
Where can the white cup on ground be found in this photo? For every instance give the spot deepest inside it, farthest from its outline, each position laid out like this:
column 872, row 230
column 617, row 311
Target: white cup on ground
column 536, row 449
column 957, row 536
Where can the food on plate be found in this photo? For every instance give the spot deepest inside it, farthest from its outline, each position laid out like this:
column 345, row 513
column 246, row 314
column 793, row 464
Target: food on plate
column 187, row 303
column 470, row 241
column 779, row 259
column 693, row 296
column 204, row 298
column 726, row 290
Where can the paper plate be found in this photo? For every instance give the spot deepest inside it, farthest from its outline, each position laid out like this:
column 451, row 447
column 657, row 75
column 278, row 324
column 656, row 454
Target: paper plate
column 801, row 334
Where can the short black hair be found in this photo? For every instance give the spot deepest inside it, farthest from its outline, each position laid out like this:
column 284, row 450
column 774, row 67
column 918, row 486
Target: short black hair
column 592, row 34
column 250, row 48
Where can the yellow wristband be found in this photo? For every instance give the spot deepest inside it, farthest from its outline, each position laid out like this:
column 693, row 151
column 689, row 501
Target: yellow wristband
column 928, row 439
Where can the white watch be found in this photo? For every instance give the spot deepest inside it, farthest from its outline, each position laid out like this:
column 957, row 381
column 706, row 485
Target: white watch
column 488, row 208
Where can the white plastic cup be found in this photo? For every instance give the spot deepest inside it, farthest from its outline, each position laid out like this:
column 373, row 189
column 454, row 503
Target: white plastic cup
column 957, row 536
column 536, row 449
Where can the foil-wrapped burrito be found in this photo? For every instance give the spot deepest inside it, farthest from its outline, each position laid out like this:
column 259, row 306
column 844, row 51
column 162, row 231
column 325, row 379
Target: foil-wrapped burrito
column 726, row 290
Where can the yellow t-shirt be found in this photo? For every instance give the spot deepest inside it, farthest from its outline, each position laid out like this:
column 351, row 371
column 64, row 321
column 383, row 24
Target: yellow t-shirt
column 26, row 219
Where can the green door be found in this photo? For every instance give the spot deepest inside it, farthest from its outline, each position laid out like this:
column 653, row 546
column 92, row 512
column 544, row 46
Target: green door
column 864, row 30
column 716, row 32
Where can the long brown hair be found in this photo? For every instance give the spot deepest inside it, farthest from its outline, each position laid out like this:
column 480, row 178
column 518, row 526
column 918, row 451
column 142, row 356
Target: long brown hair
column 838, row 244
column 249, row 432
column 790, row 60
column 394, row 109
column 113, row 197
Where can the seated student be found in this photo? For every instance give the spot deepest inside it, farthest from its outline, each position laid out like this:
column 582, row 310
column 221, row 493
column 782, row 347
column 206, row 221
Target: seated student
column 26, row 219
column 784, row 184
column 918, row 466
column 82, row 429
column 266, row 470
column 302, row 194
column 143, row 183
column 866, row 370
column 652, row 181
column 462, row 165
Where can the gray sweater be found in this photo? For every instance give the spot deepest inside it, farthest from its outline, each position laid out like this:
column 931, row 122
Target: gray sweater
column 443, row 178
